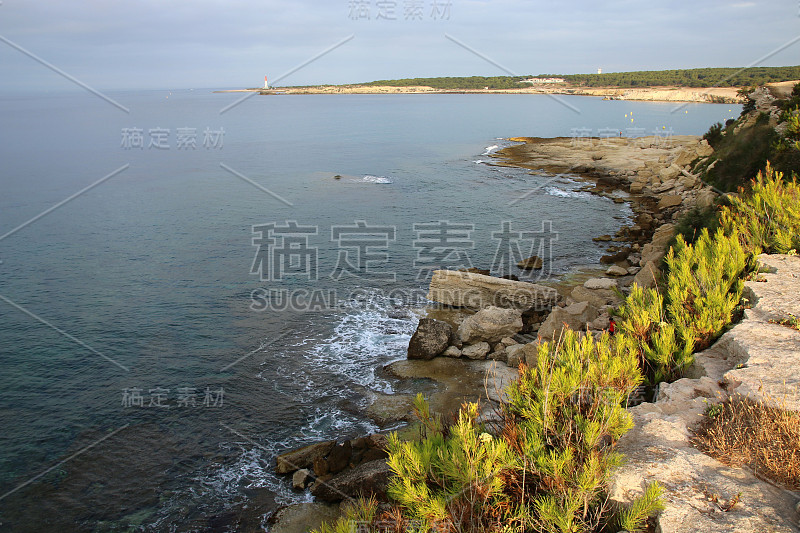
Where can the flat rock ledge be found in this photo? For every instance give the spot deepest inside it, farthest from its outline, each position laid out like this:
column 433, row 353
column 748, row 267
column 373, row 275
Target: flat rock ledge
column 477, row 291
column 757, row 359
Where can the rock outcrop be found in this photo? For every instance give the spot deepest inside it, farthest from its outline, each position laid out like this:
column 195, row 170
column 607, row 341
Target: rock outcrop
column 574, row 316
column 431, row 339
column 490, row 325
column 476, row 291
column 755, row 358
column 367, row 479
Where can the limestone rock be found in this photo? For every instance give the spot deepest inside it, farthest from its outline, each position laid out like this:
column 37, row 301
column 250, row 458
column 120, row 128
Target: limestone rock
column 534, row 262
column 303, row 517
column 685, row 157
column 476, row 291
column 669, row 200
column 596, row 297
column 669, row 173
column 647, row 276
column 657, row 247
column 705, row 198
column 508, row 341
column 615, row 270
column 476, row 351
column 490, row 325
column 522, row 353
column 303, row 458
column 452, row 351
column 301, row 479
column 600, row 283
column 367, row 479
column 704, row 149
column 772, row 351
column 339, row 457
column 574, row 316
column 431, row 339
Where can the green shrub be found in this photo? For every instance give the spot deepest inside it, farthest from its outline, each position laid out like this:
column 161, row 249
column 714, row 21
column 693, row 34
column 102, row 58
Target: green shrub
column 563, row 418
column 451, row 477
column 549, row 468
column 704, row 285
column 702, row 288
column 714, row 134
column 663, row 350
column 767, row 218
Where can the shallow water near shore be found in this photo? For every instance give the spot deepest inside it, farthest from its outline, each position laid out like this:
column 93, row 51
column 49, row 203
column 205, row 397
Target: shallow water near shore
column 186, row 370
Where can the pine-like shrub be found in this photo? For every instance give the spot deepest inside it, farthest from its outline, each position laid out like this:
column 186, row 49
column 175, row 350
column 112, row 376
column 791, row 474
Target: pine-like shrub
column 704, row 285
column 767, row 217
column 549, row 467
column 451, row 479
column 663, row 350
column 563, row 418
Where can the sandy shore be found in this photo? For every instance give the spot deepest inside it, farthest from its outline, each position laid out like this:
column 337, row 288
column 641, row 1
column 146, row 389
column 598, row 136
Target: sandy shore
column 651, row 94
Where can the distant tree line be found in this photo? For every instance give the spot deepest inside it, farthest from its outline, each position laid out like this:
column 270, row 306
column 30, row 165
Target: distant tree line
column 697, row 77
column 457, row 83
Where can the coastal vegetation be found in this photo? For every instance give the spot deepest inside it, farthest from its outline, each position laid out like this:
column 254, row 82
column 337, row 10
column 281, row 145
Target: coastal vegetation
column 699, row 77
column 547, row 462
column 742, row 147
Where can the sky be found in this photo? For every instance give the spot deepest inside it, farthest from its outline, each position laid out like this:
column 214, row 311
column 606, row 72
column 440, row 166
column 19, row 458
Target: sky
column 174, row 44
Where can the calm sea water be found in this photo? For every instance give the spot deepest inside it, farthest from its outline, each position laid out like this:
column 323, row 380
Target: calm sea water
column 142, row 386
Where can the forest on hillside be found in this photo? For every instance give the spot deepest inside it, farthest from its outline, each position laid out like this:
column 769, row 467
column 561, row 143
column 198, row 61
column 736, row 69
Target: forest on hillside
column 698, row 77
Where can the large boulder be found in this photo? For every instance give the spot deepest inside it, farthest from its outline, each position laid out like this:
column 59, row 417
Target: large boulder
column 476, row 291
column 431, row 339
column 490, row 325
column 302, row 458
column 367, row 479
column 574, row 316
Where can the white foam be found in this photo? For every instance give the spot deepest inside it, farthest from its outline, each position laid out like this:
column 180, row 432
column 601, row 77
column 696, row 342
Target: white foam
column 490, row 149
column 376, row 179
column 478, row 162
column 561, row 193
column 365, row 336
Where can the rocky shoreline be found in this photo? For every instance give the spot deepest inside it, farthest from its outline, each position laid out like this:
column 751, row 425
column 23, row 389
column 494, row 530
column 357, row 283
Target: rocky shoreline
column 471, row 355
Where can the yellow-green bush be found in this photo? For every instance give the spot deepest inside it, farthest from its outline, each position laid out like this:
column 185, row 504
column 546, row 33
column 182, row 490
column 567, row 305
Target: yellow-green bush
column 547, row 469
column 767, row 217
column 704, row 285
column 702, row 288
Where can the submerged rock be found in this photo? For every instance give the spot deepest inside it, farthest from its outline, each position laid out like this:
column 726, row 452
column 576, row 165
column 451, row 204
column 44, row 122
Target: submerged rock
column 534, row 262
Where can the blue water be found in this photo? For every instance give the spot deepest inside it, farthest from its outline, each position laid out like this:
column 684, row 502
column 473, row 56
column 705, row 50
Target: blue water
column 149, row 272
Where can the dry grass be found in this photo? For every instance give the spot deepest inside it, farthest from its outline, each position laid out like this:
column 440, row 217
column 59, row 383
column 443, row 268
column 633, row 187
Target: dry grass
column 742, row 432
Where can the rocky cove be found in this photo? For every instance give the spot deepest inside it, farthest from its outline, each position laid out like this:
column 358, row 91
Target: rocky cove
column 468, row 346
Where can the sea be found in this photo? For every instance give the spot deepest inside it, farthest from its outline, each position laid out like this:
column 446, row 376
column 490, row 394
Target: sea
column 194, row 282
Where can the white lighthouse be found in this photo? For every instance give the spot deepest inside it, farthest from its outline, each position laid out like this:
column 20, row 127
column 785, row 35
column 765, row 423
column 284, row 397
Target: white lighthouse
column 266, row 83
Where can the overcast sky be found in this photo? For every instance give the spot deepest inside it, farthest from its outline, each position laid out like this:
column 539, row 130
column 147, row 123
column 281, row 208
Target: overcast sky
column 234, row 43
